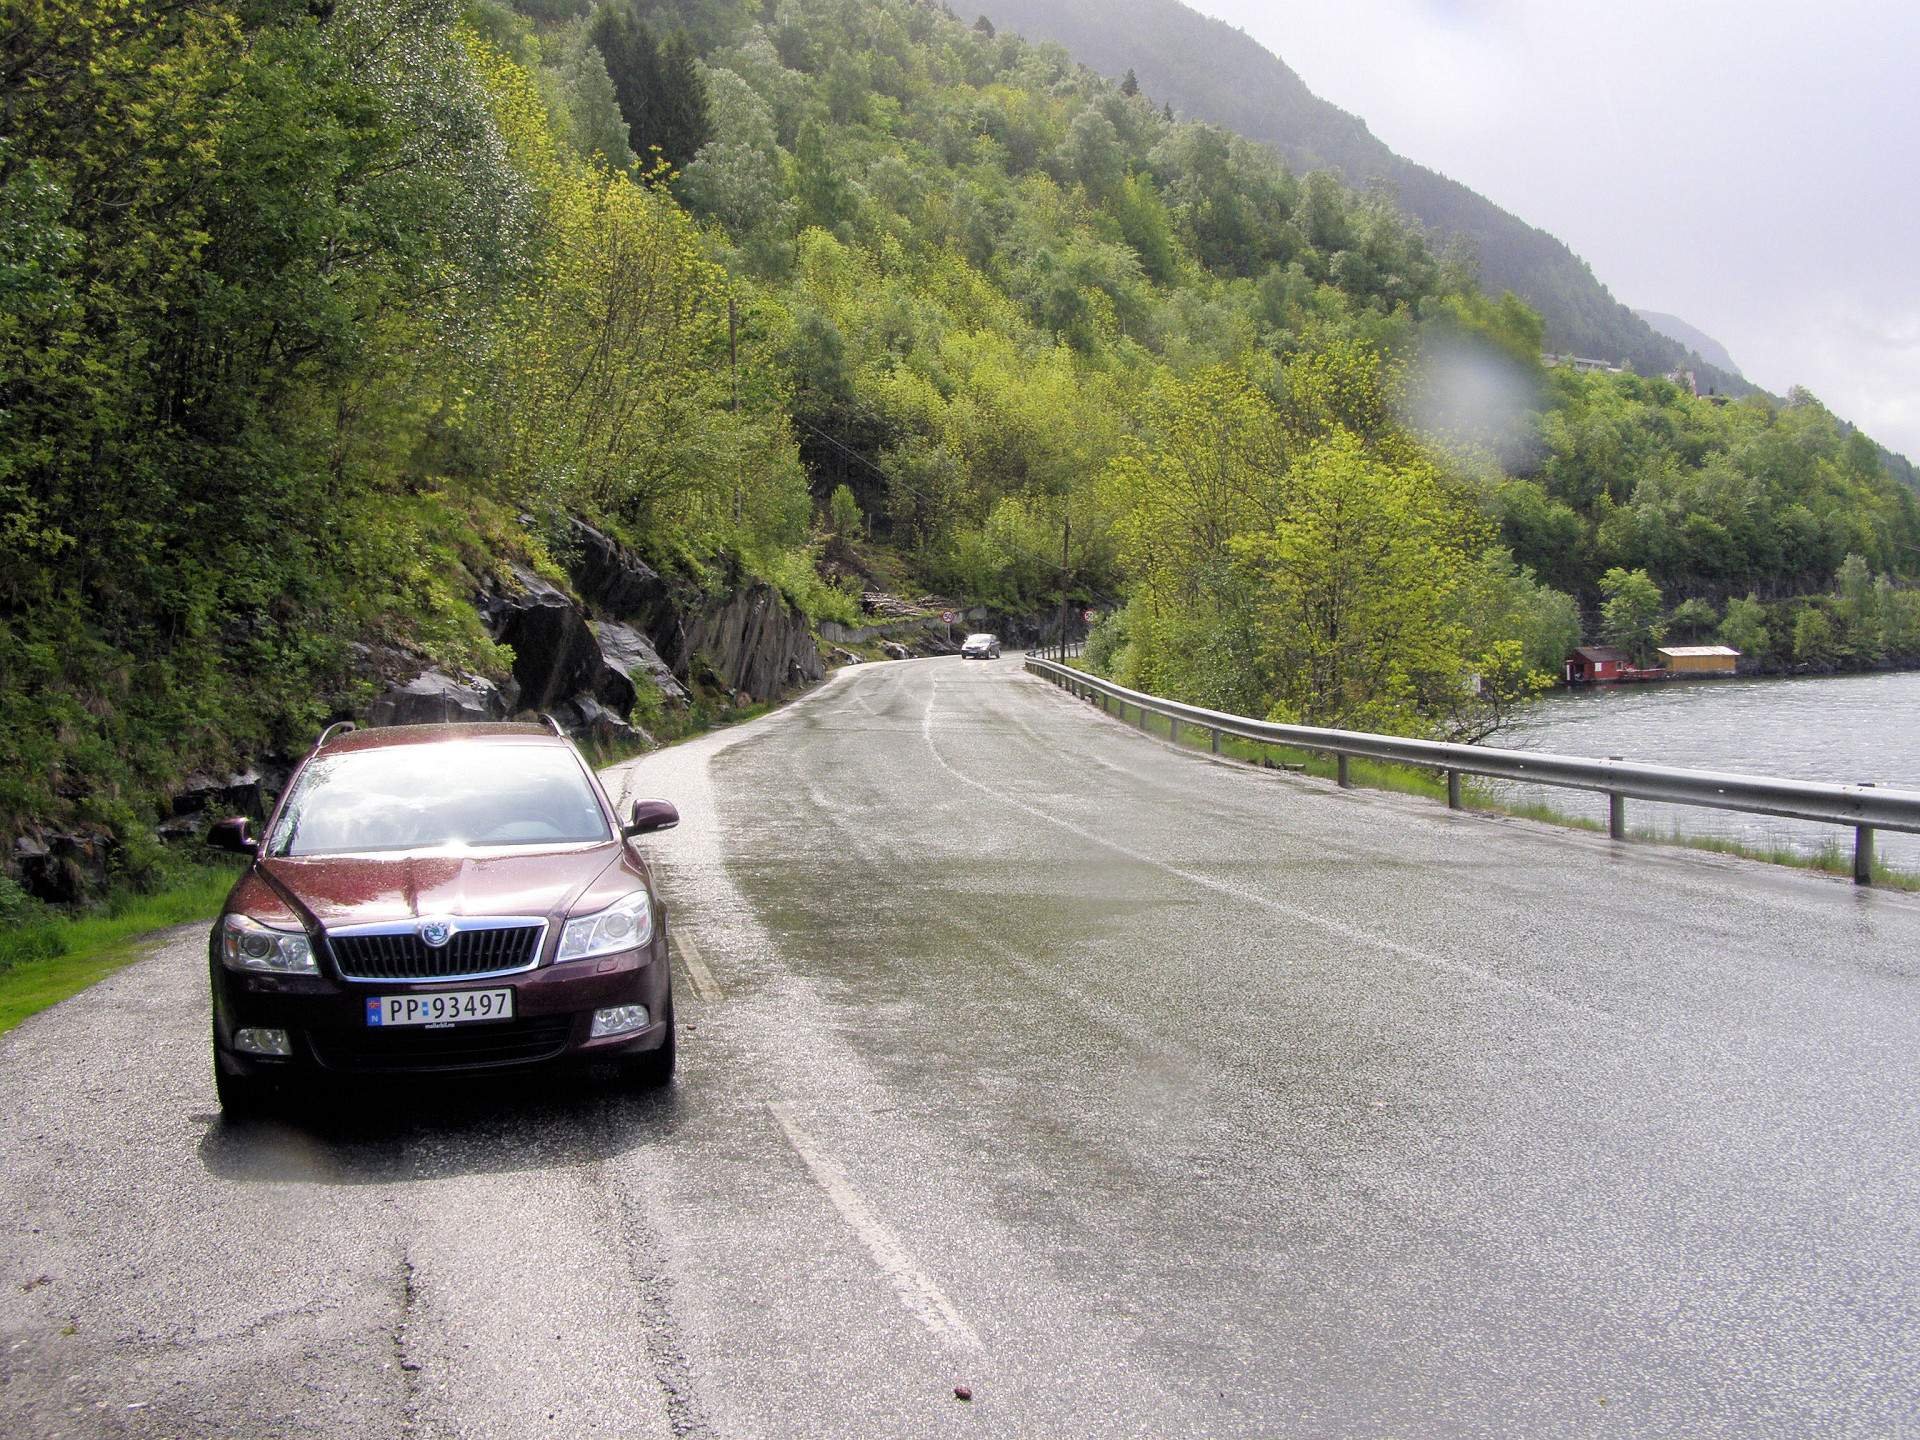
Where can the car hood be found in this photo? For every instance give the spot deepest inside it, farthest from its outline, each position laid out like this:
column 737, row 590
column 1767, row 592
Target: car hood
column 366, row 889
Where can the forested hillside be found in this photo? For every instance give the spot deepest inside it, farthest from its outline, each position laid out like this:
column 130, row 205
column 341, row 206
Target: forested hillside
column 319, row 316
column 1209, row 70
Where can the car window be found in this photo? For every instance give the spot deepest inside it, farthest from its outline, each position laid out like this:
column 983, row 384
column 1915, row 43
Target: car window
column 419, row 797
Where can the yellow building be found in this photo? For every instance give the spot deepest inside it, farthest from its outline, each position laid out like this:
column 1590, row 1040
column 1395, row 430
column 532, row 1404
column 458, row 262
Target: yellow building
column 1700, row 659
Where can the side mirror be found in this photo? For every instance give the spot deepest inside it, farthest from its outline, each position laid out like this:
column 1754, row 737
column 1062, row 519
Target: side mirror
column 648, row 816
column 235, row 835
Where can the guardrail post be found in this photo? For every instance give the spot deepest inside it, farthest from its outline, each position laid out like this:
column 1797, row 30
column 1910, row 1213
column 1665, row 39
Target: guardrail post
column 1453, row 789
column 1616, row 811
column 1213, row 744
column 1173, row 729
column 1863, row 854
column 1340, row 771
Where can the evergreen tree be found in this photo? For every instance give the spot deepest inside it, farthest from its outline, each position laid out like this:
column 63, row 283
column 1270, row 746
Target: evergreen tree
column 632, row 57
column 1130, row 85
column 658, row 84
column 681, row 105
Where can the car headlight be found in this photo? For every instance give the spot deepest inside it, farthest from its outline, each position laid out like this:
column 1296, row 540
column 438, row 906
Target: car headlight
column 624, row 925
column 248, row 945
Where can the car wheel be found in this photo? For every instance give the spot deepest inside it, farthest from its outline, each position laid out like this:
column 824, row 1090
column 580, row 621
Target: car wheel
column 242, row 1097
column 652, row 1070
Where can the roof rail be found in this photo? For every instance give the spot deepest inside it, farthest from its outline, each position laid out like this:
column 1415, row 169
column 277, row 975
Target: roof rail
column 553, row 724
column 339, row 727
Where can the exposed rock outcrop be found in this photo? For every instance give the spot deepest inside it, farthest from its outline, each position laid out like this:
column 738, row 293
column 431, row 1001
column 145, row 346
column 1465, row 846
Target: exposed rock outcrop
column 617, row 583
column 62, row 867
column 630, row 653
column 435, row 698
column 753, row 641
column 554, row 652
column 246, row 792
column 585, row 718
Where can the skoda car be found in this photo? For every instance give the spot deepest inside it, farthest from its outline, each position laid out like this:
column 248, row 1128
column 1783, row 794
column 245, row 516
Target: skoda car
column 439, row 898
column 980, row 647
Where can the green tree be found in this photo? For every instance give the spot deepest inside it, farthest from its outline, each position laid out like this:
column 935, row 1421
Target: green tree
column 680, row 110
column 822, row 193
column 593, row 109
column 843, row 513
column 1091, row 154
column 632, row 56
column 1360, row 593
column 1146, row 226
column 1745, row 628
column 1857, row 609
column 1692, row 620
column 1630, row 616
column 1815, row 642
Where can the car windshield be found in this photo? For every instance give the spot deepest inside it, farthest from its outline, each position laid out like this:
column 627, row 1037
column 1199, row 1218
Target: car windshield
column 979, row 639
column 430, row 797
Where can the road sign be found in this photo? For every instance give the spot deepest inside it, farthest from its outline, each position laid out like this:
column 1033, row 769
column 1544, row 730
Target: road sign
column 1089, row 616
column 948, row 616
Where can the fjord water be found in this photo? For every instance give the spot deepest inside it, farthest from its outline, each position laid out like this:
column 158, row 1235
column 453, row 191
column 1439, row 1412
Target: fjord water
column 1839, row 728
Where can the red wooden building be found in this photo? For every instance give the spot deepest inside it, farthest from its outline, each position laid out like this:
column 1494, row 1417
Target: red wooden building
column 1596, row 665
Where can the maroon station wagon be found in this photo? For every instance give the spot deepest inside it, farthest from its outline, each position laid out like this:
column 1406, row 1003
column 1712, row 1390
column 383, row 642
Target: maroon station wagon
column 439, row 898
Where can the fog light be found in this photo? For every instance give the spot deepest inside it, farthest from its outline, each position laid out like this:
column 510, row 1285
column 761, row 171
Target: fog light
column 619, row 1019
column 262, row 1042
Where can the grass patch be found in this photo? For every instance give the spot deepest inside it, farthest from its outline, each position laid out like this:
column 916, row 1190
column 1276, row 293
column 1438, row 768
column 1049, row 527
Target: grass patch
column 1370, row 774
column 47, row 957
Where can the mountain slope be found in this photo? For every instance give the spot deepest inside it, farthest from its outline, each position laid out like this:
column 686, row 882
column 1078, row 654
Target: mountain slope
column 1695, row 339
column 1211, row 71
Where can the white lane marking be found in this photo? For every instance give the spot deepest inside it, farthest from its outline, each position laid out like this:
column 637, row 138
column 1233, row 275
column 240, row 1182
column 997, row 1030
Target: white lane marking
column 1252, row 897
column 915, row 1287
column 705, row 986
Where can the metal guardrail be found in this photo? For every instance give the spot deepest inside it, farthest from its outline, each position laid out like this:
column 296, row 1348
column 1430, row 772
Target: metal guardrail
column 1866, row 807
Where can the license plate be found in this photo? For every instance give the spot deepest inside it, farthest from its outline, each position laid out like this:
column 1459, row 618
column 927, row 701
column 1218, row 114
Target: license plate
column 440, row 1007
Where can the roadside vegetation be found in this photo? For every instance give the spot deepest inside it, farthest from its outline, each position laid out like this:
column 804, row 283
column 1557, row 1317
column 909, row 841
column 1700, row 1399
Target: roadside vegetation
column 45, row 956
column 316, row 315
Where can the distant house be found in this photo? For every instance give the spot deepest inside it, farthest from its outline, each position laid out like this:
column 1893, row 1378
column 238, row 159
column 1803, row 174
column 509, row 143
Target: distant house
column 1700, row 659
column 1584, row 364
column 1596, row 665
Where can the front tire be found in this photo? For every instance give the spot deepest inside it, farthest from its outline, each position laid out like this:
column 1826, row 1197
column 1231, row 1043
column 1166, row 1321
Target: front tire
column 242, row 1097
column 653, row 1069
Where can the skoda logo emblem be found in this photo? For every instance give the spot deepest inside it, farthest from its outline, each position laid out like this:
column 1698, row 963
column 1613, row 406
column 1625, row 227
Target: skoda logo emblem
column 436, row 933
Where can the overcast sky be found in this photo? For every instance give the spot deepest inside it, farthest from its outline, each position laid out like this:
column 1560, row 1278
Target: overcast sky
column 1752, row 166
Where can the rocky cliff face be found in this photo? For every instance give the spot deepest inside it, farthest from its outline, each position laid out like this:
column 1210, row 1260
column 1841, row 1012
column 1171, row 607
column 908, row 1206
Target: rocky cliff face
column 583, row 655
column 586, row 657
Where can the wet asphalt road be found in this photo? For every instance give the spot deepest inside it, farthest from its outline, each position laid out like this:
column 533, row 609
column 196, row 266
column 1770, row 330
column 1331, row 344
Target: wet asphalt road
column 1140, row 1094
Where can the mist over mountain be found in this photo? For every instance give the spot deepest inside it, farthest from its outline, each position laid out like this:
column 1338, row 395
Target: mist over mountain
column 1695, row 339
column 1208, row 70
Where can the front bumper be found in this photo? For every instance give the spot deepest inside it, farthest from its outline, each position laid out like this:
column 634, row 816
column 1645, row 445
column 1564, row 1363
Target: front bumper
column 553, row 1007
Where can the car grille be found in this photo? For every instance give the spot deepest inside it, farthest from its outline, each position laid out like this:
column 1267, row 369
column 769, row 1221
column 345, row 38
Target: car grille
column 459, row 1047
column 405, row 956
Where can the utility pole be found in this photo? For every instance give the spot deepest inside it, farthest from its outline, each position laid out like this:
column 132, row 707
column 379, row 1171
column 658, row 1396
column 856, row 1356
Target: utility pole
column 1066, row 533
